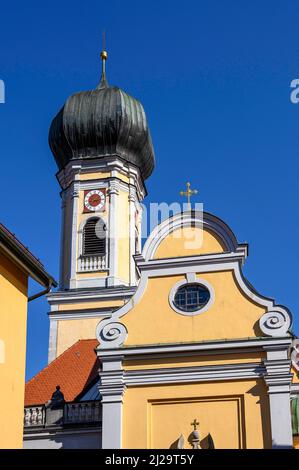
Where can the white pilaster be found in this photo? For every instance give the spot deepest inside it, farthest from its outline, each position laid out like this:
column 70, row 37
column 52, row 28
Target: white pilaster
column 62, row 240
column 52, row 351
column 74, row 234
column 278, row 379
column 112, row 233
column 112, row 390
column 132, row 212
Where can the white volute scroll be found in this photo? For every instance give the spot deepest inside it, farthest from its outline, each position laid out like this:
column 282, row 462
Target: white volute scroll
column 275, row 323
column 111, row 334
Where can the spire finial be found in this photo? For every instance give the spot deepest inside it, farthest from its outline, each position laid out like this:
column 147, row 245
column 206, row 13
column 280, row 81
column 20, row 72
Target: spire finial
column 104, row 56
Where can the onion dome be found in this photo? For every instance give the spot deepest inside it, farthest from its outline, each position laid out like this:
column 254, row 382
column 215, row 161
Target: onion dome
column 102, row 122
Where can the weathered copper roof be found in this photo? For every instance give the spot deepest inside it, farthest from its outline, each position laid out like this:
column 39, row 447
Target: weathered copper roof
column 102, row 122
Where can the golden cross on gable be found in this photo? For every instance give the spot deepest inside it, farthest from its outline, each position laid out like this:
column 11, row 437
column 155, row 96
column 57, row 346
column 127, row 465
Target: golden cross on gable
column 188, row 193
column 195, row 424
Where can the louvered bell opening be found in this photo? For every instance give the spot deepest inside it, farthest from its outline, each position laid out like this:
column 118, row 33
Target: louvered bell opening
column 94, row 238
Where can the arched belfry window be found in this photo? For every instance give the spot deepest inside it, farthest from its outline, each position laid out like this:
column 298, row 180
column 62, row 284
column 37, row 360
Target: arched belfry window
column 94, row 238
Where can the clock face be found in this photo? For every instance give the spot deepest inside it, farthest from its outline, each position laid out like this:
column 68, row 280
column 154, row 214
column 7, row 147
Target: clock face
column 94, row 200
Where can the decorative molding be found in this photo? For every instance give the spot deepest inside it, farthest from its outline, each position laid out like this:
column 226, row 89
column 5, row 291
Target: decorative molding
column 81, row 314
column 156, row 351
column 242, row 371
column 52, row 350
column 275, row 323
column 102, row 165
column 294, row 390
column 111, row 334
column 112, row 388
column 230, row 260
column 213, row 262
column 113, row 293
column 71, row 275
column 191, row 279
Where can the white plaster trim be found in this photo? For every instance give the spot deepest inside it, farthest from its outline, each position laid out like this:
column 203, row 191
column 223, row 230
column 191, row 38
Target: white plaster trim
column 194, row 280
column 188, row 349
column 112, row 389
column 52, row 350
column 113, row 293
column 244, row 286
column 194, row 374
column 46, row 433
column 79, row 315
column 73, row 254
column 101, row 165
column 111, row 334
column 62, row 240
column 213, row 259
column 112, row 239
column 187, row 219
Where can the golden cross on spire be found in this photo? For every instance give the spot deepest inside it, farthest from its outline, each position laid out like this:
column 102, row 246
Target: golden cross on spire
column 188, row 193
column 195, row 424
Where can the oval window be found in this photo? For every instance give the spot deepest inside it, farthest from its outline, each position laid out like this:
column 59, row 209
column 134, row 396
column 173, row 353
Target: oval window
column 191, row 297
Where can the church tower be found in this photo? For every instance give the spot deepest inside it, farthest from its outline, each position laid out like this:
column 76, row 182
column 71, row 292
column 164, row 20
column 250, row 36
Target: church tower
column 102, row 145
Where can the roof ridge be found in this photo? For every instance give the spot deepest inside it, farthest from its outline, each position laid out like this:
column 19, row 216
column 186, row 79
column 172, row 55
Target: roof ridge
column 57, row 358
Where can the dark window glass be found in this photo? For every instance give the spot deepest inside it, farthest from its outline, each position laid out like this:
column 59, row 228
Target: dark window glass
column 191, row 297
column 94, row 238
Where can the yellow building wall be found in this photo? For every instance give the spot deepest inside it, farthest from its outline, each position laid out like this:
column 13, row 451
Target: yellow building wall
column 188, row 241
column 123, row 226
column 236, row 415
column 13, row 319
column 90, row 305
column 295, row 375
column 194, row 361
column 70, row 331
column 232, row 315
column 94, row 176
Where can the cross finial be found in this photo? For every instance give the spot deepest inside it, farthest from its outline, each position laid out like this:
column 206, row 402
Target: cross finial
column 195, row 424
column 104, row 56
column 188, row 193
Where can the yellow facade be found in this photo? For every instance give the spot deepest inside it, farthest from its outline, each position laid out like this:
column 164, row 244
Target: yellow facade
column 169, row 357
column 234, row 415
column 70, row 331
column 166, row 390
column 13, row 320
column 188, row 241
column 231, row 316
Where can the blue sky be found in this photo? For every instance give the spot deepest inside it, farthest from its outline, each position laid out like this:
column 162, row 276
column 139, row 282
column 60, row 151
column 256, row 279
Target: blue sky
column 214, row 79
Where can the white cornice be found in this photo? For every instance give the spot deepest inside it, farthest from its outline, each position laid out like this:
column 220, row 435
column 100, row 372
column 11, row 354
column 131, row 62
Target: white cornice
column 158, row 376
column 103, row 164
column 188, row 349
column 218, row 259
column 98, row 294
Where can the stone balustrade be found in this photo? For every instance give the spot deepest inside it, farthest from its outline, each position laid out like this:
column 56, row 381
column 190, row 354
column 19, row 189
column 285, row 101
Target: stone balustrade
column 91, row 263
column 86, row 412
column 34, row 416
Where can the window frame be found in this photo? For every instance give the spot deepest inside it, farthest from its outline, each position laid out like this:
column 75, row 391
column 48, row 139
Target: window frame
column 83, row 238
column 183, row 283
column 80, row 254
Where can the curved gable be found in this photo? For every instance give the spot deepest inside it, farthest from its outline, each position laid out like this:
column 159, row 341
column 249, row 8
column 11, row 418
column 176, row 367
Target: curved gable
column 188, row 234
column 236, row 310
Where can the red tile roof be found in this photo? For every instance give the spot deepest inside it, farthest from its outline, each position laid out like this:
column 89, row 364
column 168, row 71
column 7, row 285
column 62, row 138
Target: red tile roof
column 74, row 370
